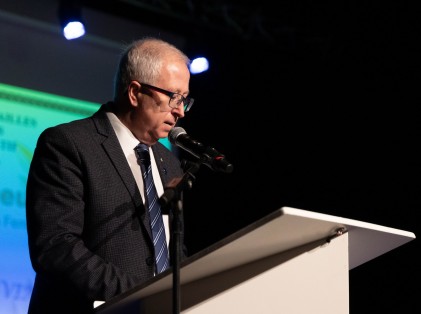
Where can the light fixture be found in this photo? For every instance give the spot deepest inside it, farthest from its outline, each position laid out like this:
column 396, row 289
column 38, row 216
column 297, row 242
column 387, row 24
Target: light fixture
column 70, row 15
column 199, row 65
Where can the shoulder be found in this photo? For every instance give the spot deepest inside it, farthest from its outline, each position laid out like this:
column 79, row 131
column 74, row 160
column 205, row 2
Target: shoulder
column 75, row 128
column 75, row 134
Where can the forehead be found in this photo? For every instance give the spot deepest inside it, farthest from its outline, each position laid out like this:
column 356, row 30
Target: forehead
column 175, row 71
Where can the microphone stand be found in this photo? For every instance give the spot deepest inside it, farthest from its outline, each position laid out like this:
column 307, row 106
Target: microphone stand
column 173, row 199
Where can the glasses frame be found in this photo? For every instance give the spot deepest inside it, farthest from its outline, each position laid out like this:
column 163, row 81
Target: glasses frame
column 187, row 101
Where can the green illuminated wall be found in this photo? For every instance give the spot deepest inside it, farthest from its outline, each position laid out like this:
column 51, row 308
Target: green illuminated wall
column 24, row 114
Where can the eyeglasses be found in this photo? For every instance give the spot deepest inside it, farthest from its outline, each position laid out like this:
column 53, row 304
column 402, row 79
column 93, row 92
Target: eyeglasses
column 176, row 99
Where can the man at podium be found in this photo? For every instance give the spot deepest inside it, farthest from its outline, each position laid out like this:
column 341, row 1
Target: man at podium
column 92, row 208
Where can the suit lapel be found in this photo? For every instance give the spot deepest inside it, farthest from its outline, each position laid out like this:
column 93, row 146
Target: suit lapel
column 113, row 149
column 160, row 163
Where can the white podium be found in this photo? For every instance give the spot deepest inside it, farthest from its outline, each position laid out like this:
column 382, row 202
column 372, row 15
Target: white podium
column 292, row 261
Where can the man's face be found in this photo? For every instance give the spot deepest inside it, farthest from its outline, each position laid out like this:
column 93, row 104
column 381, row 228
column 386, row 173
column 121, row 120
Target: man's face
column 154, row 118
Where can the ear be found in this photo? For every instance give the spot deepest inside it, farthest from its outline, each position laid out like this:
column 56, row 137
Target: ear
column 132, row 93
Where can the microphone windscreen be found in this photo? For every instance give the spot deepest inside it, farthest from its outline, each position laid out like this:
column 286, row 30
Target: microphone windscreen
column 174, row 133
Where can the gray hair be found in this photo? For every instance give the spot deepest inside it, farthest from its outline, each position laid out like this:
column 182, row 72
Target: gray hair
column 142, row 61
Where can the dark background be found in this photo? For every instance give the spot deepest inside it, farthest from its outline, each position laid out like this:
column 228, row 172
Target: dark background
column 324, row 119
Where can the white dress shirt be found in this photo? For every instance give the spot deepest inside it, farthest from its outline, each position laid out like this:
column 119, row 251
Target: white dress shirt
column 128, row 142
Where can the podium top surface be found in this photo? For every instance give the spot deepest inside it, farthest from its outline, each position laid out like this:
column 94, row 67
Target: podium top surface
column 366, row 240
column 289, row 227
column 282, row 230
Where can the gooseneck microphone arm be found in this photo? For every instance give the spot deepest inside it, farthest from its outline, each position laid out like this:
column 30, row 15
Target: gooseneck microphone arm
column 207, row 155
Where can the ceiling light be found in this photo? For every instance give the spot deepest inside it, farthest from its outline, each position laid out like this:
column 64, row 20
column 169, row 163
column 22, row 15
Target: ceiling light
column 70, row 15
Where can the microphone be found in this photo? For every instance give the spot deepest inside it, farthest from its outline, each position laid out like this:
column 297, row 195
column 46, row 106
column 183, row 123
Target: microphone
column 208, row 156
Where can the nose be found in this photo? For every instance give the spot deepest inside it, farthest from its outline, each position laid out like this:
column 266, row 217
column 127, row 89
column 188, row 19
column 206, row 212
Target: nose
column 179, row 111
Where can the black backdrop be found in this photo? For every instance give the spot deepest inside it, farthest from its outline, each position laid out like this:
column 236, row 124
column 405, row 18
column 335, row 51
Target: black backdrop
column 329, row 125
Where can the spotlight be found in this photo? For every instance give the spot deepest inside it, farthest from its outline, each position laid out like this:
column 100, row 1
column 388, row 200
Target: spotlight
column 70, row 16
column 199, row 65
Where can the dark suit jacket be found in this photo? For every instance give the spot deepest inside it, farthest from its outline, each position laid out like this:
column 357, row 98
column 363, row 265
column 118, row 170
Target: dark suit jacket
column 88, row 231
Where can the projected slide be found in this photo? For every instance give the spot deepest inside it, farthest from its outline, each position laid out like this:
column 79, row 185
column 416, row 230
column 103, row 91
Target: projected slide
column 24, row 114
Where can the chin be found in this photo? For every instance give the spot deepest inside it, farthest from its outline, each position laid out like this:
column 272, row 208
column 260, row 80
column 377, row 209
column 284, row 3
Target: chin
column 166, row 129
column 164, row 133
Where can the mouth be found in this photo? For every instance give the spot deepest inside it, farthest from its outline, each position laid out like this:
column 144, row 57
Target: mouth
column 171, row 123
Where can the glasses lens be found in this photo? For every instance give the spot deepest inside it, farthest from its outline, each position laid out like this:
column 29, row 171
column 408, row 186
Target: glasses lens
column 188, row 103
column 176, row 101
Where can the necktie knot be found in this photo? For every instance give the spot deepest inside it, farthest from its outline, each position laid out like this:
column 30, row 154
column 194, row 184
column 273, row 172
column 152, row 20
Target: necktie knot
column 143, row 153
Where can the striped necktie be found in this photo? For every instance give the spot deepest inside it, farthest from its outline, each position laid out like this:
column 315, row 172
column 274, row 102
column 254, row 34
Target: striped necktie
column 157, row 224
